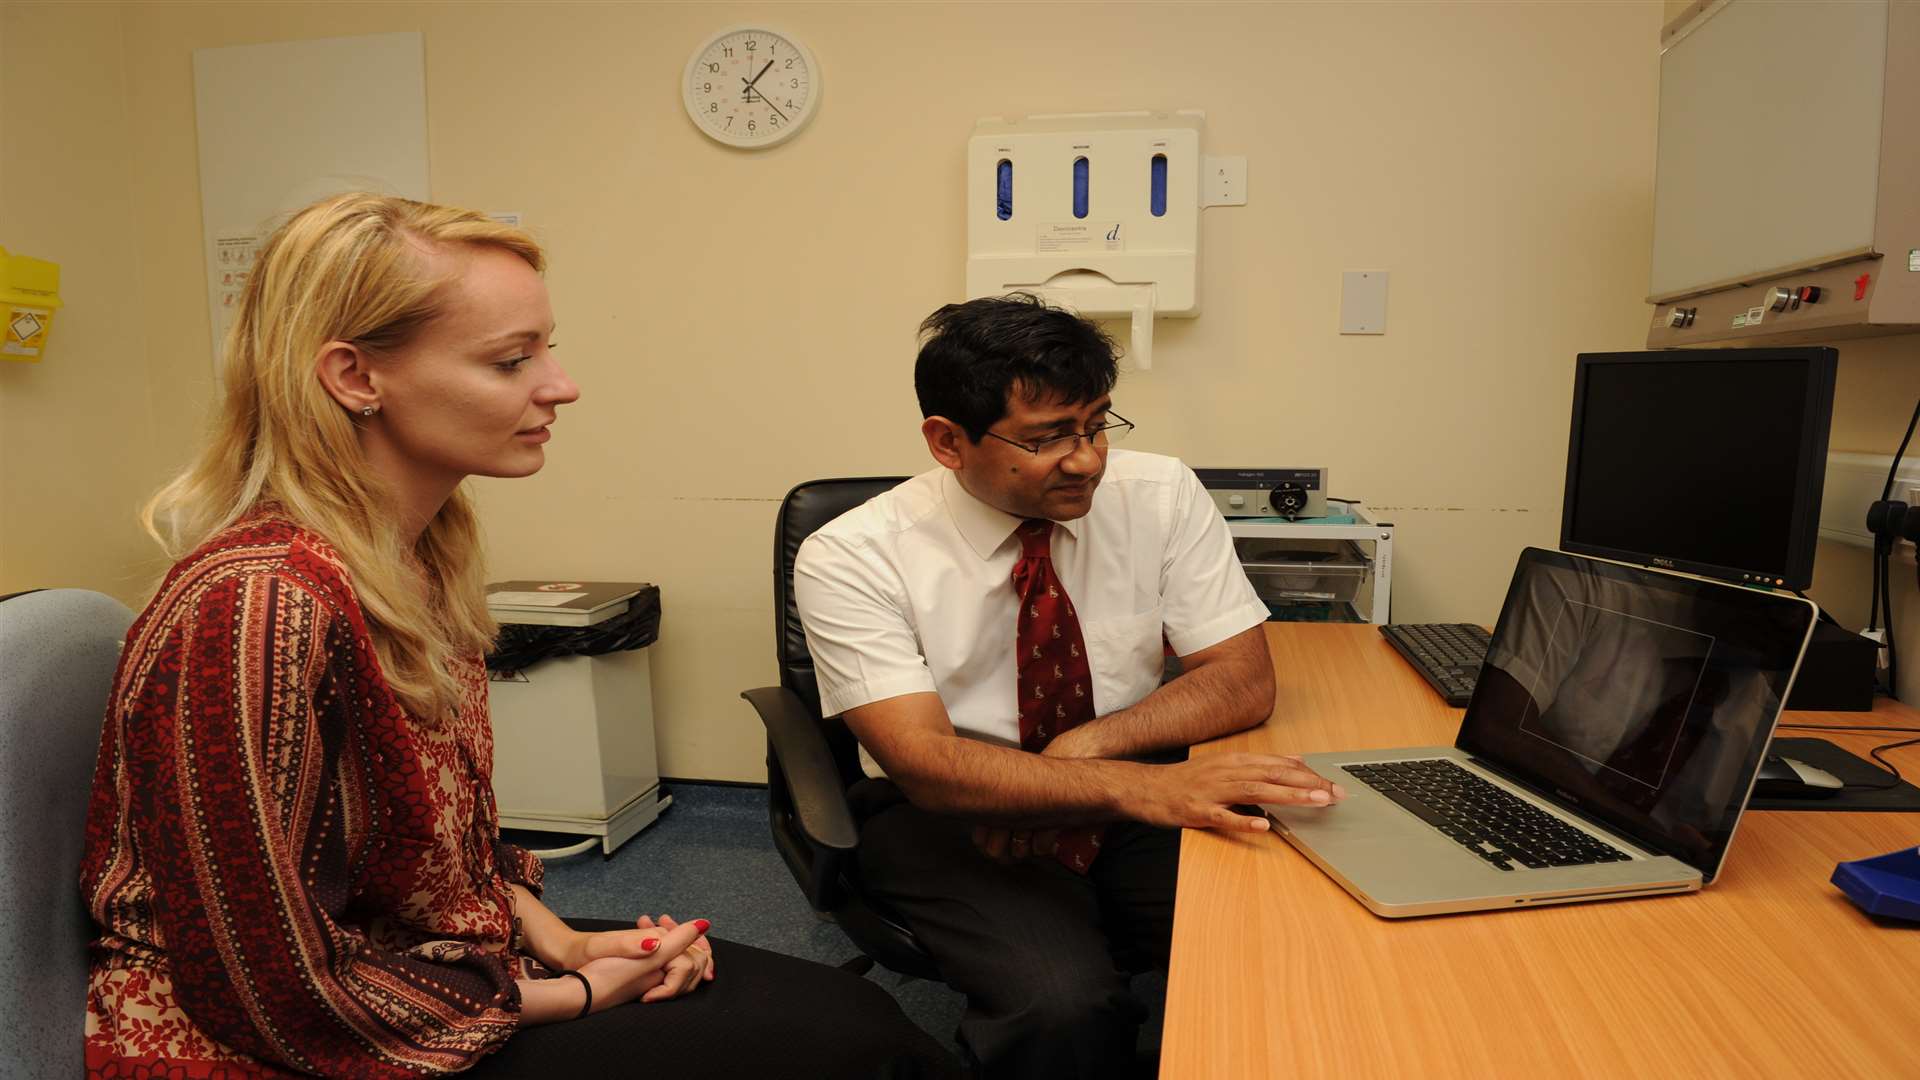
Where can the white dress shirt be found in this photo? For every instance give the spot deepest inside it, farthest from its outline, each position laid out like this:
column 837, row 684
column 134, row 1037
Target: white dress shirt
column 913, row 592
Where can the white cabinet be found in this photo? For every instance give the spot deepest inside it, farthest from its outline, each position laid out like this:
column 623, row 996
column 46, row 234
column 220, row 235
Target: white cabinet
column 573, row 748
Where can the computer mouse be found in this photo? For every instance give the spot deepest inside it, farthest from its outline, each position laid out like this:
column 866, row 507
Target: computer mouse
column 1790, row 778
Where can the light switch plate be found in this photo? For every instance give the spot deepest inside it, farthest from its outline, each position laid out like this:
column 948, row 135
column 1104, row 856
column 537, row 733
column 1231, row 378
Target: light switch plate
column 1363, row 302
column 1226, row 181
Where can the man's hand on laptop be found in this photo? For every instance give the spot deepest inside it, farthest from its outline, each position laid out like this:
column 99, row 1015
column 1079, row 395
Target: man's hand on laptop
column 1201, row 794
column 1190, row 795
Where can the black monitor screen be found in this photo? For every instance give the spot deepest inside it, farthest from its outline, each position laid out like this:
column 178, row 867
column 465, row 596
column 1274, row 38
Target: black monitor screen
column 1711, row 462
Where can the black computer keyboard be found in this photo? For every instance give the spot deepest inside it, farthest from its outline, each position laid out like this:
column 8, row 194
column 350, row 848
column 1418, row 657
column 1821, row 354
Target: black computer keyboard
column 1493, row 824
column 1447, row 655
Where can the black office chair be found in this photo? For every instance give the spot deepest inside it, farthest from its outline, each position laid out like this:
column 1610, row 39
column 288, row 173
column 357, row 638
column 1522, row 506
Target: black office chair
column 811, row 761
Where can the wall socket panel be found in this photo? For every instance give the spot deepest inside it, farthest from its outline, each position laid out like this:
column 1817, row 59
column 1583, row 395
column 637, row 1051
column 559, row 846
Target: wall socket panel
column 1854, row 482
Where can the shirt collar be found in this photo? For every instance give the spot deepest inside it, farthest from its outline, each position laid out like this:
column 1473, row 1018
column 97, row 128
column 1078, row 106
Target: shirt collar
column 984, row 527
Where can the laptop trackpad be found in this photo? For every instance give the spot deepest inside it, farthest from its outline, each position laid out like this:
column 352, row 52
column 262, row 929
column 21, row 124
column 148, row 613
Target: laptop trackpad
column 1385, row 853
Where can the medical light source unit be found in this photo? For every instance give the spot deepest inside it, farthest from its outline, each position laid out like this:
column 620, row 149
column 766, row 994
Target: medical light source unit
column 1098, row 213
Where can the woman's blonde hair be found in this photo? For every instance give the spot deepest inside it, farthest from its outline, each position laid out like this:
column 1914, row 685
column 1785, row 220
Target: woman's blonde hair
column 349, row 268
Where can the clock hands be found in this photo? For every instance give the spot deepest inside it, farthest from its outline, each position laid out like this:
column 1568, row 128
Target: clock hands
column 750, row 93
column 756, row 78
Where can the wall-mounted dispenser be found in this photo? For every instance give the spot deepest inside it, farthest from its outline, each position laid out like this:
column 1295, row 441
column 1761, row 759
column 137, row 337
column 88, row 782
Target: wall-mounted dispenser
column 29, row 295
column 1096, row 212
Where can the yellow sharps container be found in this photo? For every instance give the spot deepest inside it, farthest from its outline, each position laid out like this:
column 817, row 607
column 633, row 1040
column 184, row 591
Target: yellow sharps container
column 29, row 295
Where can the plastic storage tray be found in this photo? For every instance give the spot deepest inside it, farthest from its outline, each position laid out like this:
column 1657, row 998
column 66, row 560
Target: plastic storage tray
column 1290, row 571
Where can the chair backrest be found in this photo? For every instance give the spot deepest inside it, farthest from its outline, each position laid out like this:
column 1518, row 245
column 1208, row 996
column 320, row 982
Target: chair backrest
column 58, row 650
column 802, row 512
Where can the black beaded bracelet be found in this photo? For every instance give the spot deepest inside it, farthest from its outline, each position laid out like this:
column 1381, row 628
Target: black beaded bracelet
column 588, row 1007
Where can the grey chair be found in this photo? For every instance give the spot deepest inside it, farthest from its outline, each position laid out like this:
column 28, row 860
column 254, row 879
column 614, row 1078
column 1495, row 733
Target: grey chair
column 58, row 649
column 812, row 761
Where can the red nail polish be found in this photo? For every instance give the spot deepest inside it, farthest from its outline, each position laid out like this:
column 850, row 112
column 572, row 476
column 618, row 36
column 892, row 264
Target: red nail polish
column 701, row 925
column 650, row 944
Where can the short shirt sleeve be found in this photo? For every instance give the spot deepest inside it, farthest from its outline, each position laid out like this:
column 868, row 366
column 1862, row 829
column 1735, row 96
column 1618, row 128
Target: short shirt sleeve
column 1206, row 595
column 853, row 607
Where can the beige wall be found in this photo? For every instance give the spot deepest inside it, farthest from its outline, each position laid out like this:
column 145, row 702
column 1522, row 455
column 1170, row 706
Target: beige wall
column 77, row 429
column 741, row 322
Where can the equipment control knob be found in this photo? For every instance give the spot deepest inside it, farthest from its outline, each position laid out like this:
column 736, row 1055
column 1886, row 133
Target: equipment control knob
column 1677, row 318
column 1780, row 298
column 1289, row 500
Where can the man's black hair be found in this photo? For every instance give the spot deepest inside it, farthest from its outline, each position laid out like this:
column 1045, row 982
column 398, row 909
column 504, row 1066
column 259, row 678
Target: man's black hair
column 975, row 354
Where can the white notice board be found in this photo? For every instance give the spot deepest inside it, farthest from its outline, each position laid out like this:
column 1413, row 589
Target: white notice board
column 286, row 123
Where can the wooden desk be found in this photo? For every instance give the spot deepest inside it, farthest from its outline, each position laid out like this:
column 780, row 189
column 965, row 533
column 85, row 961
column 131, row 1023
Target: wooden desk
column 1769, row 971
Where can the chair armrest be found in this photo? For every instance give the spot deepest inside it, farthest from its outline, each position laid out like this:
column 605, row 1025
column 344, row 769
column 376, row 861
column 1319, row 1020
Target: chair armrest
column 806, row 762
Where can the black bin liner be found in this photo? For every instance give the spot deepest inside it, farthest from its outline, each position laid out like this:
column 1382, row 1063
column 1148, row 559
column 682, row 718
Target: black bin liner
column 521, row 645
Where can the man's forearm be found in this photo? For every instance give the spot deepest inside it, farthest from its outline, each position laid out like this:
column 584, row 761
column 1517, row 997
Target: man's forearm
column 1205, row 703
column 965, row 777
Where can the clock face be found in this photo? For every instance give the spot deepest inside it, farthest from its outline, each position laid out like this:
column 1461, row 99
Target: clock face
column 751, row 87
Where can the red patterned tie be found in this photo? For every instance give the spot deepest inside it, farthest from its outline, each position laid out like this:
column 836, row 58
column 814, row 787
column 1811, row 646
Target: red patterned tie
column 1055, row 682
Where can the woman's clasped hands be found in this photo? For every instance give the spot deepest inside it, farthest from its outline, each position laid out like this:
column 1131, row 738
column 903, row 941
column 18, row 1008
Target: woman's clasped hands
column 655, row 961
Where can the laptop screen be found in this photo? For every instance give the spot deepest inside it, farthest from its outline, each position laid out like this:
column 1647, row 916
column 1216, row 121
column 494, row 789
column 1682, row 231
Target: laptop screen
column 1644, row 699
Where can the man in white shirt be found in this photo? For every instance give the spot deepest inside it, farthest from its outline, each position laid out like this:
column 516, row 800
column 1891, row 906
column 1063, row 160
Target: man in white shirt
column 992, row 632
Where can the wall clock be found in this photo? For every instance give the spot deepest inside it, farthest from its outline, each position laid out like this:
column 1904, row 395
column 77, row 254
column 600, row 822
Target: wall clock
column 751, row 87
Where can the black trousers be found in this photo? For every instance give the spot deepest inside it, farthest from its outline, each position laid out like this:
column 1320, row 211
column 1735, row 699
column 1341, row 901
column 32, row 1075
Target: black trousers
column 1043, row 954
column 766, row 1015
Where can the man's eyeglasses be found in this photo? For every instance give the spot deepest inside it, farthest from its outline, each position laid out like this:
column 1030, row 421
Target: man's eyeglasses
column 1059, row 446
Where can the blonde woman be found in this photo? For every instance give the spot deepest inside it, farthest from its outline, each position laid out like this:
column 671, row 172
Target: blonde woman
column 292, row 851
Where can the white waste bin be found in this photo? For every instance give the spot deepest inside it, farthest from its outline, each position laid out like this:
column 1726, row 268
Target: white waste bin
column 573, row 748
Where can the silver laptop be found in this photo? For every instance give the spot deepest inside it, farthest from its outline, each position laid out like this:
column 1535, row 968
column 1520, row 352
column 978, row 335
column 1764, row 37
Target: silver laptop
column 1609, row 748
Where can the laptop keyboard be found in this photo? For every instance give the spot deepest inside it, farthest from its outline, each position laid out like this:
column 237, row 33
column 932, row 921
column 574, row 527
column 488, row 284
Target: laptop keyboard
column 1495, row 825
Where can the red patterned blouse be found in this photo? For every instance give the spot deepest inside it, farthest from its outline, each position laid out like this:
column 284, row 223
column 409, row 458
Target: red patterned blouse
column 287, row 871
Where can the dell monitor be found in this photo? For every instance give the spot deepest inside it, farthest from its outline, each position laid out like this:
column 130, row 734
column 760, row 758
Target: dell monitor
column 1706, row 461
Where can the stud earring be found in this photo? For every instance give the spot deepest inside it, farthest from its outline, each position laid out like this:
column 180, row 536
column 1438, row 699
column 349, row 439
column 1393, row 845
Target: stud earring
column 369, row 410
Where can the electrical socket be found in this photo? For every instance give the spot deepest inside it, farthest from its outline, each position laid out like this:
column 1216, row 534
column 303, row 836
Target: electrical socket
column 1909, row 493
column 1853, row 483
column 1880, row 654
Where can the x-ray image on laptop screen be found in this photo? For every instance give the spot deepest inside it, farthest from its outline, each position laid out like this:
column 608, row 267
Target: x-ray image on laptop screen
column 1647, row 699
column 1577, row 701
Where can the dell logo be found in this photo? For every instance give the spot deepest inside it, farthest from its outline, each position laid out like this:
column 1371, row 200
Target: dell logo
column 1668, row 563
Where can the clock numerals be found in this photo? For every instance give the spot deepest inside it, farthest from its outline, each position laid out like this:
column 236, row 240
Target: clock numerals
column 732, row 88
